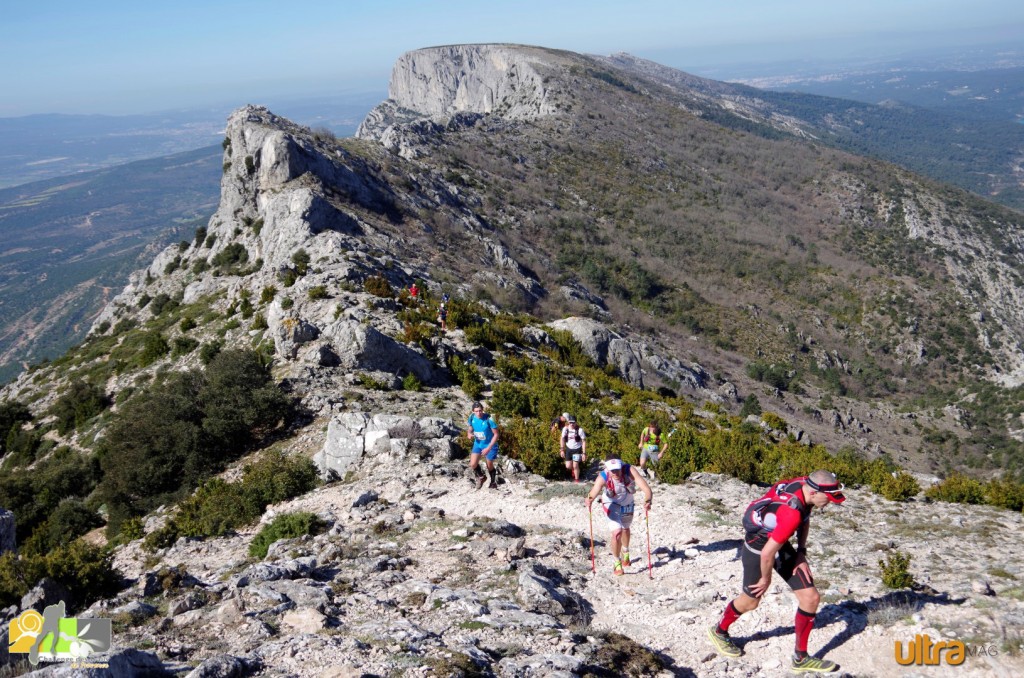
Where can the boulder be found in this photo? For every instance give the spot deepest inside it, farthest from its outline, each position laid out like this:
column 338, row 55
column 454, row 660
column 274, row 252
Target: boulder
column 359, row 346
column 604, row 347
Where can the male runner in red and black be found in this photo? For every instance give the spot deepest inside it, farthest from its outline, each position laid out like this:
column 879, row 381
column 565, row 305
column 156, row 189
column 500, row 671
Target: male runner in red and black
column 770, row 522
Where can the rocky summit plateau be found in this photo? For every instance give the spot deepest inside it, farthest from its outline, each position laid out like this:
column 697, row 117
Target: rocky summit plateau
column 257, row 459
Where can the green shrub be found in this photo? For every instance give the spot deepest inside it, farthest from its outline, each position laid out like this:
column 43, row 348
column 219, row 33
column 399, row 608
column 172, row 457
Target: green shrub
column 218, row 507
column 513, row 367
column 417, row 333
column 774, row 375
column 318, row 292
column 200, row 236
column 287, row 302
column 301, row 260
column 957, row 488
column 284, row 526
column 168, row 438
column 70, row 520
column 751, row 405
column 1005, row 494
column 530, row 441
column 288, row 276
column 268, row 294
column 84, row 570
column 162, row 302
column 250, row 164
column 259, row 322
column 187, row 323
column 467, row 376
column 412, row 383
column 511, row 399
column 209, row 351
column 378, row 286
column 775, row 422
column 231, row 256
column 80, row 403
column 154, row 347
column 183, row 346
column 899, row 487
column 895, row 572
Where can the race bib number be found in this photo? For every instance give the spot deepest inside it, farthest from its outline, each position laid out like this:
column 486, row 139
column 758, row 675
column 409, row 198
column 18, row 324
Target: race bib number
column 651, row 448
column 480, row 435
column 627, row 509
column 577, row 457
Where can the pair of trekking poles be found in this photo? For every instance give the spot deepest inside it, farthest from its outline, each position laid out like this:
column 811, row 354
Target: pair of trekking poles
column 647, row 524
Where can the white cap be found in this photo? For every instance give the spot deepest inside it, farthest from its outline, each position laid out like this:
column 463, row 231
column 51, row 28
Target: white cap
column 613, row 465
column 565, row 415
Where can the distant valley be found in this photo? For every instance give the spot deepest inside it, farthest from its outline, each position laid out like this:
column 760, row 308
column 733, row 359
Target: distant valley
column 45, row 146
column 69, row 244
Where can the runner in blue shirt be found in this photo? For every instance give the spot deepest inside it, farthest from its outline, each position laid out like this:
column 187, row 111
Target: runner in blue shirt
column 483, row 431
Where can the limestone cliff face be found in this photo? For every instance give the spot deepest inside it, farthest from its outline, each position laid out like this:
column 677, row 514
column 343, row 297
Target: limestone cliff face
column 438, row 83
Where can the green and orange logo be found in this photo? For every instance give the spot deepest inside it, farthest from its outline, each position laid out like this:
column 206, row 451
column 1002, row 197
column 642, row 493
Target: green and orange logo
column 53, row 637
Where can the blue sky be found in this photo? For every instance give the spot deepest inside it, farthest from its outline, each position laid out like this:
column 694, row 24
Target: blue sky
column 114, row 56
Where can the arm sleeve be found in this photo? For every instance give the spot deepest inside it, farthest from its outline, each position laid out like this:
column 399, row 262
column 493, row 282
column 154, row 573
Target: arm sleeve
column 787, row 520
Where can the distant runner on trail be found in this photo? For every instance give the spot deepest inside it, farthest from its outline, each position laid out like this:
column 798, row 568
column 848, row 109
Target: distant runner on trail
column 414, row 291
column 652, row 447
column 559, row 423
column 483, row 431
column 770, row 522
column 442, row 317
column 618, row 483
column 573, row 447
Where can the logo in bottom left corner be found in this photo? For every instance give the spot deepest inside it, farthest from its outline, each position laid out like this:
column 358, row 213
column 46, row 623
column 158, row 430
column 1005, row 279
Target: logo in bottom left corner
column 51, row 636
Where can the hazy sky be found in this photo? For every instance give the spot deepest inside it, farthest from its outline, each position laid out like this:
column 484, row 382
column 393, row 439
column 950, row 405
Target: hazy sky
column 114, row 56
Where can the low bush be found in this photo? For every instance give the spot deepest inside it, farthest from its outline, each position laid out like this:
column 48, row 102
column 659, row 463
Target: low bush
column 957, row 488
column 80, row 403
column 318, row 292
column 378, row 286
column 84, row 570
column 218, row 506
column 230, row 257
column 895, row 570
column 412, row 383
column 467, row 376
column 284, row 526
column 899, row 487
column 511, row 399
column 531, row 442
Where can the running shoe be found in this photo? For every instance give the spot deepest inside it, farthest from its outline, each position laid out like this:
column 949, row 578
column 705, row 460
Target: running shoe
column 625, row 559
column 723, row 643
column 811, row 664
column 492, row 486
column 480, row 481
column 617, row 568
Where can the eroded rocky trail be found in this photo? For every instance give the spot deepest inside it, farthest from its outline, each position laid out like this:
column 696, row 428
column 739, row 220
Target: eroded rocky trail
column 421, row 574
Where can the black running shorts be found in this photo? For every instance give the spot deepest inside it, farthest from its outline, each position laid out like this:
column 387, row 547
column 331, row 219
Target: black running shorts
column 785, row 563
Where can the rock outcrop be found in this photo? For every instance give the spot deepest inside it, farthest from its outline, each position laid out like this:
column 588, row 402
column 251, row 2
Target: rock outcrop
column 432, row 87
column 604, row 347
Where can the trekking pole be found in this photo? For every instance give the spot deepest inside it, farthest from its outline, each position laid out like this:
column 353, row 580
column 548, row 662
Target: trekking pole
column 593, row 561
column 650, row 565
